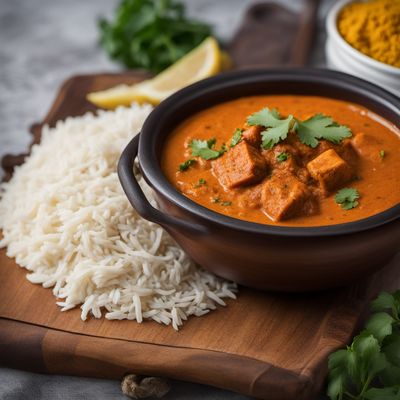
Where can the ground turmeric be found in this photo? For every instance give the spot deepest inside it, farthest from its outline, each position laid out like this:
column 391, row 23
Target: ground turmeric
column 373, row 27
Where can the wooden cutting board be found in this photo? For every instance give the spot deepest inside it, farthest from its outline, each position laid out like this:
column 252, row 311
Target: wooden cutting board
column 267, row 345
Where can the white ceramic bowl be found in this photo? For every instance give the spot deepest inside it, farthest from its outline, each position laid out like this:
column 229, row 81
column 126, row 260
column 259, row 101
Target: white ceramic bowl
column 342, row 56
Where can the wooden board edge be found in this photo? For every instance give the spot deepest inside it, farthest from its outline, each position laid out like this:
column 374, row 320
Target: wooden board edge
column 54, row 351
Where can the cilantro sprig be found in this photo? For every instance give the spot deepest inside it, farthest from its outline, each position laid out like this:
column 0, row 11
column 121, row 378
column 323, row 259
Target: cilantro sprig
column 278, row 128
column 347, row 198
column 205, row 149
column 150, row 34
column 309, row 131
column 320, row 126
column 369, row 369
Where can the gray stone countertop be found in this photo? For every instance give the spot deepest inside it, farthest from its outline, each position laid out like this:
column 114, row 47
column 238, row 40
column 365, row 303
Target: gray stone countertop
column 42, row 43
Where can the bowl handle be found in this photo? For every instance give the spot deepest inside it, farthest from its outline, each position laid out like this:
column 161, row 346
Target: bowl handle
column 139, row 201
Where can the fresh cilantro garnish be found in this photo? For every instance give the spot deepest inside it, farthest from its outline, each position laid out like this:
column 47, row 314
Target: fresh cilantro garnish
column 264, row 117
column 382, row 154
column 347, row 198
column 281, row 157
column 277, row 128
column 201, row 182
column 205, row 149
column 237, row 137
column 223, row 203
column 369, row 369
column 185, row 165
column 150, row 34
column 320, row 126
column 317, row 127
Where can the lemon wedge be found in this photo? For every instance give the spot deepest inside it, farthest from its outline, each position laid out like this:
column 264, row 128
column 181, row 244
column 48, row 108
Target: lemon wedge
column 202, row 62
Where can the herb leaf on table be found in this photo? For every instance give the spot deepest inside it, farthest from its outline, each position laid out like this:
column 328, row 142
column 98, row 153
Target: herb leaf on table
column 369, row 369
column 150, row 34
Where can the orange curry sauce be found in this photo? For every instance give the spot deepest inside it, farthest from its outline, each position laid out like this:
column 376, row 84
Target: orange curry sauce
column 377, row 174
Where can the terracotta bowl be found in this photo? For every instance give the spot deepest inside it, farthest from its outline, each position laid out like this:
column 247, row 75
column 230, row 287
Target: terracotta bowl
column 257, row 255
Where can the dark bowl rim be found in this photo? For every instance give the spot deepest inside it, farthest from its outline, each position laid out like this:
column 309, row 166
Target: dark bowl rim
column 156, row 179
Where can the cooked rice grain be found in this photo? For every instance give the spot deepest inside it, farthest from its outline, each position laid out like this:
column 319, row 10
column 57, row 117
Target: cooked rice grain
column 66, row 219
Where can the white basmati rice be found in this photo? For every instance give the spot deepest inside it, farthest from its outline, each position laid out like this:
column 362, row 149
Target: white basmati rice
column 66, row 219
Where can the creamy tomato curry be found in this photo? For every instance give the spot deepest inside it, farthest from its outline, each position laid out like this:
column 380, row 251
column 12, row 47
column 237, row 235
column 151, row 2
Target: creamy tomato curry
column 287, row 160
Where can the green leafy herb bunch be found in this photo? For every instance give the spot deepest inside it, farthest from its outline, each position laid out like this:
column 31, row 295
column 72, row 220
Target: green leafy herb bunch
column 369, row 369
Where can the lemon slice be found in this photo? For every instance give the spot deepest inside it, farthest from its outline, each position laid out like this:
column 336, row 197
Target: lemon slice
column 203, row 61
column 120, row 95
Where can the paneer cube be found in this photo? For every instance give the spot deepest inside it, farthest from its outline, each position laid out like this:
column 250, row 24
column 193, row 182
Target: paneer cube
column 284, row 196
column 252, row 135
column 367, row 146
column 241, row 165
column 330, row 170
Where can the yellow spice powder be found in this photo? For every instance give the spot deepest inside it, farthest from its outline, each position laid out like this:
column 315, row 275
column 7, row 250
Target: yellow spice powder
column 373, row 27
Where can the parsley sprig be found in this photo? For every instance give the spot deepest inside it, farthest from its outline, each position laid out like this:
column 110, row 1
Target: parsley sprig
column 347, row 198
column 205, row 149
column 309, row 131
column 369, row 369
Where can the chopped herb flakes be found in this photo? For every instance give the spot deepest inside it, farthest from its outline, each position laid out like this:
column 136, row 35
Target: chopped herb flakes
column 223, row 203
column 205, row 149
column 237, row 137
column 201, row 182
column 185, row 165
column 347, row 198
column 382, row 154
column 281, row 157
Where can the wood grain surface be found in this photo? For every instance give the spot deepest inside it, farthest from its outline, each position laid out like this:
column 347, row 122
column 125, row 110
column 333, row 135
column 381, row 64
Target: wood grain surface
column 272, row 35
column 267, row 345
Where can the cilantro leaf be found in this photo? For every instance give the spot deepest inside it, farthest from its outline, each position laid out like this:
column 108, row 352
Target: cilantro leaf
column 380, row 325
column 237, row 137
column 382, row 154
column 185, row 165
column 336, row 386
column 389, row 393
column 385, row 301
column 205, row 149
column 278, row 128
column 281, row 157
column 320, row 126
column 265, row 117
column 391, row 348
column 347, row 198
